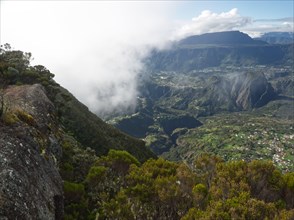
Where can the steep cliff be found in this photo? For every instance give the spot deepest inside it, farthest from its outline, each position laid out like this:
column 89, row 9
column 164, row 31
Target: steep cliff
column 34, row 132
column 252, row 90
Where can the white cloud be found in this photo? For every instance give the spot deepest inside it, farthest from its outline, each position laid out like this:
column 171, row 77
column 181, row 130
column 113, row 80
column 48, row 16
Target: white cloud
column 208, row 22
column 263, row 26
column 95, row 48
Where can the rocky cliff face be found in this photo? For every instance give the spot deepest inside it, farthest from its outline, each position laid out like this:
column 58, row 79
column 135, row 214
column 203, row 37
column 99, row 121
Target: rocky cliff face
column 34, row 127
column 30, row 184
column 251, row 91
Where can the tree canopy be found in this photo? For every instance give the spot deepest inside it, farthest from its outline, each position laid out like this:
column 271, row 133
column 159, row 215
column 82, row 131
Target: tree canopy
column 117, row 186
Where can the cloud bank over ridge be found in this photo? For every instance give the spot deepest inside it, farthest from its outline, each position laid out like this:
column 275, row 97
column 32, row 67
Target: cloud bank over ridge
column 208, row 22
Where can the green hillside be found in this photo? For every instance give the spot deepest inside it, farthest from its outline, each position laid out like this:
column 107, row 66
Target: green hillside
column 77, row 120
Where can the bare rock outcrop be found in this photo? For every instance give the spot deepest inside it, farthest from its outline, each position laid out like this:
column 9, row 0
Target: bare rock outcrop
column 251, row 90
column 30, row 184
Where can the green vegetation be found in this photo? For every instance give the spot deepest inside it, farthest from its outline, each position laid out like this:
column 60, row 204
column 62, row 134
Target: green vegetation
column 227, row 101
column 78, row 121
column 75, row 203
column 118, row 187
column 90, row 130
column 15, row 68
column 10, row 117
column 237, row 136
column 25, row 117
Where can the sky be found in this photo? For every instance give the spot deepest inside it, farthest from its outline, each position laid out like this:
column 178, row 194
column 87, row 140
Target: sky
column 96, row 48
column 255, row 9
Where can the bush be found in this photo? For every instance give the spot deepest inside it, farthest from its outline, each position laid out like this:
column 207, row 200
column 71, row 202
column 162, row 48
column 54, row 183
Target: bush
column 123, row 156
column 73, row 192
column 200, row 189
column 66, row 171
column 119, row 161
column 289, row 180
column 96, row 173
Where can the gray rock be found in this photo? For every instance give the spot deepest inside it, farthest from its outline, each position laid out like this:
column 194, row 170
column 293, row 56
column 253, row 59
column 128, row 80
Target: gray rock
column 30, row 184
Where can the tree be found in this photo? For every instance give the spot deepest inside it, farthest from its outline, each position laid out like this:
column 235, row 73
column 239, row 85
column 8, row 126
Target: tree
column 205, row 167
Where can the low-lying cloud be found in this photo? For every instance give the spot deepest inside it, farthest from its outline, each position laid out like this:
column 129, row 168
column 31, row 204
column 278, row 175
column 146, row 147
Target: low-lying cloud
column 95, row 48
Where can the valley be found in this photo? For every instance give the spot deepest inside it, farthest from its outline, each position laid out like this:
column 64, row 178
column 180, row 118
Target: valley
column 238, row 104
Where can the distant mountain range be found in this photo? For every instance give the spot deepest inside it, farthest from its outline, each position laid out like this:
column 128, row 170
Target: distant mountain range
column 277, row 37
column 219, row 49
column 221, row 38
column 237, row 38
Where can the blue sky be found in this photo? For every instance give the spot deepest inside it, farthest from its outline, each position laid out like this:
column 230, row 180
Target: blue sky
column 256, row 9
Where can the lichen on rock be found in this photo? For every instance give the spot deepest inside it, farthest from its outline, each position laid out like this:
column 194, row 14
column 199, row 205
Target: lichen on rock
column 30, row 184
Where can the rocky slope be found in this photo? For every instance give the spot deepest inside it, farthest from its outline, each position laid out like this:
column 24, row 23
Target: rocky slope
column 30, row 184
column 252, row 90
column 34, row 133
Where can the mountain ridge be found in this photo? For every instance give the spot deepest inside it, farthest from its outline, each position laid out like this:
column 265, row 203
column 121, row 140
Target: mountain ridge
column 221, row 38
column 277, row 37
